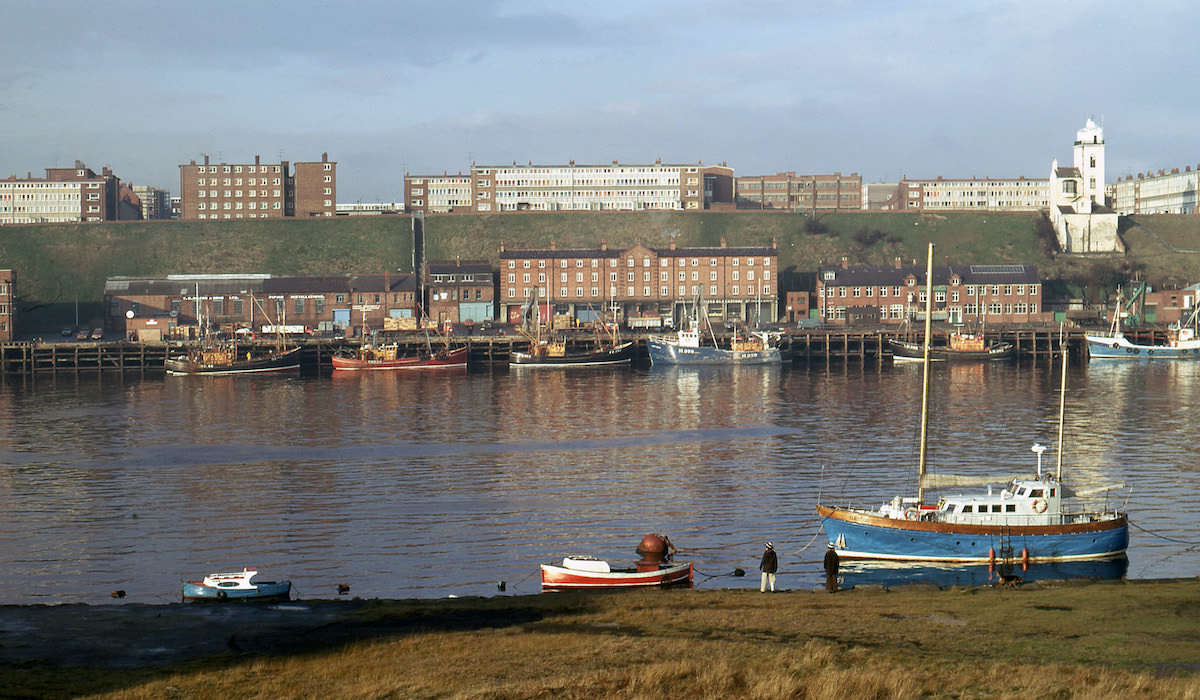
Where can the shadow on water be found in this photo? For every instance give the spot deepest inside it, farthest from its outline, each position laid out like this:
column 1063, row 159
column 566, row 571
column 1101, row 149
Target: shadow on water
column 889, row 574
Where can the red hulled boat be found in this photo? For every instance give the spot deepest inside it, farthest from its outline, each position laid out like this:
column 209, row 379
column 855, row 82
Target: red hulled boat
column 654, row 569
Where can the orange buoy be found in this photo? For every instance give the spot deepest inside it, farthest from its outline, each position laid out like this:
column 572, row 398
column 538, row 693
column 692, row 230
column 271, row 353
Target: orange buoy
column 1024, row 557
column 991, row 555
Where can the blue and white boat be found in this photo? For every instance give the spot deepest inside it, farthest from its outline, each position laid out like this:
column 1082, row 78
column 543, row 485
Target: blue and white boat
column 1034, row 518
column 236, row 586
column 685, row 348
column 1182, row 343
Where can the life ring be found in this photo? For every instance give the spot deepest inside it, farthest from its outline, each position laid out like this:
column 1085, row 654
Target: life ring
column 222, row 595
column 1149, row 352
column 1128, row 350
column 1039, row 506
column 911, row 514
column 1116, row 345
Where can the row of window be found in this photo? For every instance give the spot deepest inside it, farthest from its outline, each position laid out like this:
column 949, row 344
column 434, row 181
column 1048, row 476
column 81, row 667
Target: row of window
column 630, row 262
column 629, row 276
column 238, row 168
column 897, row 312
column 663, row 292
column 996, row 290
column 238, row 205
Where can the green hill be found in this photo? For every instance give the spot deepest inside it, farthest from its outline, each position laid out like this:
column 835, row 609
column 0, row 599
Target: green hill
column 57, row 265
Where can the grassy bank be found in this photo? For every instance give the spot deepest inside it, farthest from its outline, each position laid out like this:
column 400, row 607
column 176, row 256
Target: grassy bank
column 1061, row 640
column 59, row 264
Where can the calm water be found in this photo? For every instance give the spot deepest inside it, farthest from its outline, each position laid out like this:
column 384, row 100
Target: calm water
column 427, row 486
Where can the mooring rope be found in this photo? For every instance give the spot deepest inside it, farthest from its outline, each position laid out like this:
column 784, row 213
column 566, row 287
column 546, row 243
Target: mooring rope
column 1163, row 537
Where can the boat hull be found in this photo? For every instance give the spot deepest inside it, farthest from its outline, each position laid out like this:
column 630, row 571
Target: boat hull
column 276, row 362
column 455, row 359
column 1120, row 348
column 618, row 355
column 861, row 535
column 262, row 592
column 557, row 577
column 665, row 353
column 902, row 350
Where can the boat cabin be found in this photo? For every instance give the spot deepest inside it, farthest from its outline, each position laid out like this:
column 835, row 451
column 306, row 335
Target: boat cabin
column 1020, row 503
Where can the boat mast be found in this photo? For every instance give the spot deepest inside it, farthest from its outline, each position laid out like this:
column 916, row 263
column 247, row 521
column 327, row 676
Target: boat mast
column 1062, row 401
column 925, row 376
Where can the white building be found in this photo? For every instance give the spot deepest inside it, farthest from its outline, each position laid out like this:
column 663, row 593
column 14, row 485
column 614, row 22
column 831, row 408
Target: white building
column 1156, row 193
column 974, row 194
column 1081, row 221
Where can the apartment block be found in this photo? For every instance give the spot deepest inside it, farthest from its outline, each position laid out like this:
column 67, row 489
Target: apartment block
column 65, row 195
column 800, row 193
column 1161, row 192
column 973, row 194
column 155, row 203
column 571, row 187
column 231, row 191
column 732, row 283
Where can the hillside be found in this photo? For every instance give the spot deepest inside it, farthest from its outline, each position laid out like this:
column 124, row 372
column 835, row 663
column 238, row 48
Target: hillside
column 57, row 265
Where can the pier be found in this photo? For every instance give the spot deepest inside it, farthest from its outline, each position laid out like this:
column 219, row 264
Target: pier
column 826, row 346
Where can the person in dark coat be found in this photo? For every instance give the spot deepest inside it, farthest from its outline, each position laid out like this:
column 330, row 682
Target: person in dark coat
column 831, row 569
column 768, row 566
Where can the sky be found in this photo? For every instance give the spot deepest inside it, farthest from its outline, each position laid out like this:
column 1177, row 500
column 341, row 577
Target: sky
column 975, row 88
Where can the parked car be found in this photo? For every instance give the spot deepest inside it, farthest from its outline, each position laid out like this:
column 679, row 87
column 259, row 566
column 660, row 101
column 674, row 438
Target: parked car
column 82, row 334
column 68, row 332
column 97, row 333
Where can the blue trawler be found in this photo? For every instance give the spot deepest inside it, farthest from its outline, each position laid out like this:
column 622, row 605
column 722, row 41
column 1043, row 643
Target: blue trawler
column 1031, row 518
column 1182, row 343
column 685, row 348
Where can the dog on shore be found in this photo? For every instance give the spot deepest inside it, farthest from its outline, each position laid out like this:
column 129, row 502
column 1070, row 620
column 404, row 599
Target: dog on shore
column 1013, row 582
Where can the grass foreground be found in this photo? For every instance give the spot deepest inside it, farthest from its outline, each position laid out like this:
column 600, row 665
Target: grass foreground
column 1050, row 640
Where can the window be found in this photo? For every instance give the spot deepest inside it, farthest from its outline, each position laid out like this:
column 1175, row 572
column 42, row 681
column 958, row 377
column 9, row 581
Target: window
column 298, row 304
column 318, row 305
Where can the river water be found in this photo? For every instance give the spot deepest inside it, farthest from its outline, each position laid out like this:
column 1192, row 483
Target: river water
column 432, row 485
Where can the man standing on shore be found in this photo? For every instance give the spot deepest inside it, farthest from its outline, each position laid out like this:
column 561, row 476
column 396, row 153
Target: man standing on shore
column 768, row 566
column 831, row 569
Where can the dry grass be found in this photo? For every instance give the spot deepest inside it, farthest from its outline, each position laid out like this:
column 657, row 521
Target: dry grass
column 1068, row 641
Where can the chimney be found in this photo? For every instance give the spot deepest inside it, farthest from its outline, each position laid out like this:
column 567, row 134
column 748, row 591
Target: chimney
column 206, row 159
column 672, row 243
column 553, row 246
column 501, row 246
column 325, row 157
column 898, row 263
column 257, row 159
column 845, row 262
column 722, row 241
column 603, row 244
column 458, row 260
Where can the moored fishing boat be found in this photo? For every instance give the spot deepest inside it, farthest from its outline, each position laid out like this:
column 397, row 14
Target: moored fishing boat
column 686, row 348
column 961, row 347
column 1182, row 341
column 1031, row 518
column 389, row 357
column 232, row 359
column 554, row 353
column 236, row 586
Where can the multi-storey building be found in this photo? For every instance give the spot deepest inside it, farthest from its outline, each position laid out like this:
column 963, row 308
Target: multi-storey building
column 570, row 187
column 65, row 195
column 461, row 290
column 800, row 193
column 8, row 309
column 332, row 303
column 156, row 203
column 732, row 283
column 316, row 188
column 1163, row 192
column 438, row 194
column 230, row 191
column 1082, row 221
column 992, row 294
column 973, row 194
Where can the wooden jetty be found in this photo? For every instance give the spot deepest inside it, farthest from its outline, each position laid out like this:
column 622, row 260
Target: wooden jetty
column 807, row 346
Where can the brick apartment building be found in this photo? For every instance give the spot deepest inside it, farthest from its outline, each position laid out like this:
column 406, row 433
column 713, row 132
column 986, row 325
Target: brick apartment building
column 733, row 283
column 65, row 195
column 461, row 290
column 230, row 191
column 800, row 193
column 995, row 294
column 570, row 187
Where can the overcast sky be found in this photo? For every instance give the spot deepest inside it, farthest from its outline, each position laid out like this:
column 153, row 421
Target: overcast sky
column 882, row 88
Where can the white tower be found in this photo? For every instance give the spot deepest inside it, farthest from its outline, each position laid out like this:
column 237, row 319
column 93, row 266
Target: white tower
column 1089, row 160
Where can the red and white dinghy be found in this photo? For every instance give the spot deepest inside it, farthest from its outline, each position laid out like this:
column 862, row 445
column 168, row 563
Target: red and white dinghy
column 587, row 572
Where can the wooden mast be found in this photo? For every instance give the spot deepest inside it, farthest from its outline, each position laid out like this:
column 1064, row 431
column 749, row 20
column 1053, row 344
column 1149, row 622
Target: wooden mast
column 1062, row 400
column 925, row 377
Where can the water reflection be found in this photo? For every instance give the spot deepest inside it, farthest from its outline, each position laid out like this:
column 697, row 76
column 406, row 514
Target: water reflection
column 426, row 484
column 863, row 573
